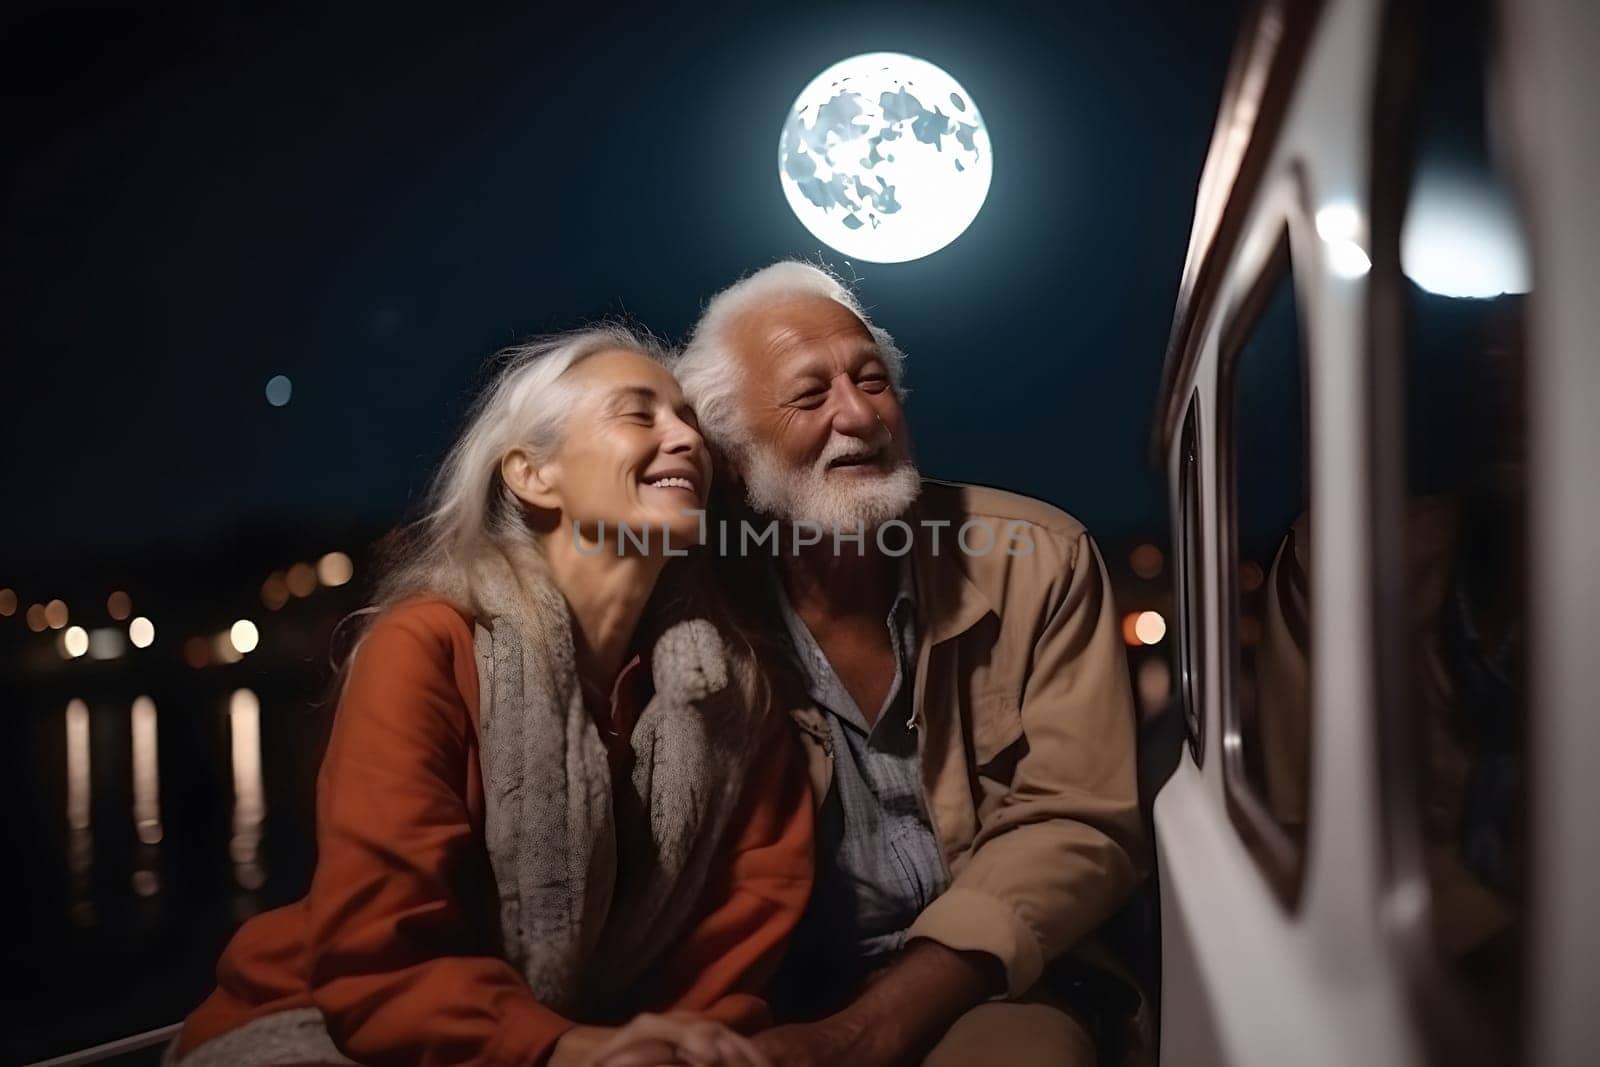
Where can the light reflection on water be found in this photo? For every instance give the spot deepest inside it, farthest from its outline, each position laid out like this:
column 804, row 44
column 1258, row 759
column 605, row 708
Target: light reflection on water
column 146, row 797
column 249, row 800
column 80, row 839
column 137, row 797
column 98, row 756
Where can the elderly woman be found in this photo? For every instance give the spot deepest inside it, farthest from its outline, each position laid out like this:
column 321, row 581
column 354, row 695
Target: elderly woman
column 560, row 819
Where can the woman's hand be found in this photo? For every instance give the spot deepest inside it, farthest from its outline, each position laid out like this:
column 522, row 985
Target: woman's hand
column 677, row 1039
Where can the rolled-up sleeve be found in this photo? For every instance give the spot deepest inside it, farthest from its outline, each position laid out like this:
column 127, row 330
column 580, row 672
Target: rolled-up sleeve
column 1064, row 848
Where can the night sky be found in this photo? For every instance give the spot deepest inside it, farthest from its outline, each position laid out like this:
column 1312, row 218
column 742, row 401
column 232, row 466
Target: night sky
column 372, row 202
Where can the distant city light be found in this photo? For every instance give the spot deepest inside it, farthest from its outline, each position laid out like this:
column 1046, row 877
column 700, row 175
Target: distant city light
column 274, row 592
column 55, row 613
column 244, row 636
column 279, row 390
column 1150, row 627
column 142, row 632
column 8, row 602
column 119, row 605
column 335, row 569
column 1341, row 227
column 75, row 642
column 302, row 579
column 107, row 642
column 36, row 619
column 1146, row 561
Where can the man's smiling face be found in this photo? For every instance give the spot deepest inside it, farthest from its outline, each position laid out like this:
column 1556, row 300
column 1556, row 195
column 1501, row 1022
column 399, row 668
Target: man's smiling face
column 827, row 433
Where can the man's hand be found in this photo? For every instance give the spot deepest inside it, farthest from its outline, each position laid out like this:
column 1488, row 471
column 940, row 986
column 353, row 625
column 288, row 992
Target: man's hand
column 901, row 1013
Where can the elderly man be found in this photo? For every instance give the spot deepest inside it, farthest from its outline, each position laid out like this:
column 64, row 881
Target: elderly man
column 969, row 724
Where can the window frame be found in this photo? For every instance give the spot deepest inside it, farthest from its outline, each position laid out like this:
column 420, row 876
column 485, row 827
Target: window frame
column 1190, row 586
column 1279, row 859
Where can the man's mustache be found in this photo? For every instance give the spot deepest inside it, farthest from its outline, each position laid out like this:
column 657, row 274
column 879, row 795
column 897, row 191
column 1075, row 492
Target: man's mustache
column 841, row 449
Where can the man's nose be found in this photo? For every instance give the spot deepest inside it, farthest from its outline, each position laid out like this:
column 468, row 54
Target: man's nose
column 853, row 413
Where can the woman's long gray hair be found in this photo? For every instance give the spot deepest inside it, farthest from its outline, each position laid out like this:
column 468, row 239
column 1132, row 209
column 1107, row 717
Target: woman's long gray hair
column 469, row 511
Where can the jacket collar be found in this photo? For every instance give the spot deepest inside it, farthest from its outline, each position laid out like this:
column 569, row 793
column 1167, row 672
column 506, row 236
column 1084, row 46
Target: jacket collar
column 948, row 604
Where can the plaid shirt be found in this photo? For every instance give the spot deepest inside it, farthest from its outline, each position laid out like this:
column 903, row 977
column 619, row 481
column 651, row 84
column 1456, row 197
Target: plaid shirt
column 879, row 863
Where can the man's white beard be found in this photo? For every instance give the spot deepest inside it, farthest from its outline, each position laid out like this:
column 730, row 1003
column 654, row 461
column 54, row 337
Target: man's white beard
column 845, row 502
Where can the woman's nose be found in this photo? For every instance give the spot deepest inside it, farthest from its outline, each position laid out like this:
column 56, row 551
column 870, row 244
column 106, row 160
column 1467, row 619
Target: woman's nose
column 681, row 438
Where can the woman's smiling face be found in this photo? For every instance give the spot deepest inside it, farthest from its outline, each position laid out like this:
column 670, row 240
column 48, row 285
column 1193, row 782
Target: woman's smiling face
column 631, row 455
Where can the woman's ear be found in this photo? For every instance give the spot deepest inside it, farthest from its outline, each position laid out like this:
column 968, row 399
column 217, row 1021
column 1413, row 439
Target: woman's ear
column 532, row 482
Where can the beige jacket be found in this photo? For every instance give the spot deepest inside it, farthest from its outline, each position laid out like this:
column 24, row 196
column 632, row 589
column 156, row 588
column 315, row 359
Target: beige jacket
column 1026, row 725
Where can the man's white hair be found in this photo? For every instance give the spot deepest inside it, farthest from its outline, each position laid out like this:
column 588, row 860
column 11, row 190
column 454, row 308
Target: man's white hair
column 709, row 370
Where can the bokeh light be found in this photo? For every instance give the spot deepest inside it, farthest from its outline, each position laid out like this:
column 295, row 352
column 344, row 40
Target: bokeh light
column 302, row 579
column 36, row 620
column 1146, row 561
column 8, row 602
column 55, row 613
column 1150, row 627
column 75, row 642
column 279, row 390
column 1461, row 238
column 274, row 592
column 335, row 569
column 119, row 605
column 142, row 632
column 244, row 636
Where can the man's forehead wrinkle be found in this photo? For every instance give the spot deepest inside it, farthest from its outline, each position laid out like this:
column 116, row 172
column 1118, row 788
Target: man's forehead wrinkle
column 789, row 344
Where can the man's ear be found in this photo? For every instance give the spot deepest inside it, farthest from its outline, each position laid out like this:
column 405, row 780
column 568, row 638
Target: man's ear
column 532, row 482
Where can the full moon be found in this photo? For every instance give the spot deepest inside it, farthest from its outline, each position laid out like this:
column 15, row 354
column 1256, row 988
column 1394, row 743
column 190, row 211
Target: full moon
column 885, row 158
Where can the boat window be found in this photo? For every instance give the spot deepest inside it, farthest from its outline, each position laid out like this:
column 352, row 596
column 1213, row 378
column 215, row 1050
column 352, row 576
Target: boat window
column 1265, row 576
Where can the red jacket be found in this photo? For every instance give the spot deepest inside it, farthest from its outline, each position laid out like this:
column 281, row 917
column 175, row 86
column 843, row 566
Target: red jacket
column 397, row 942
